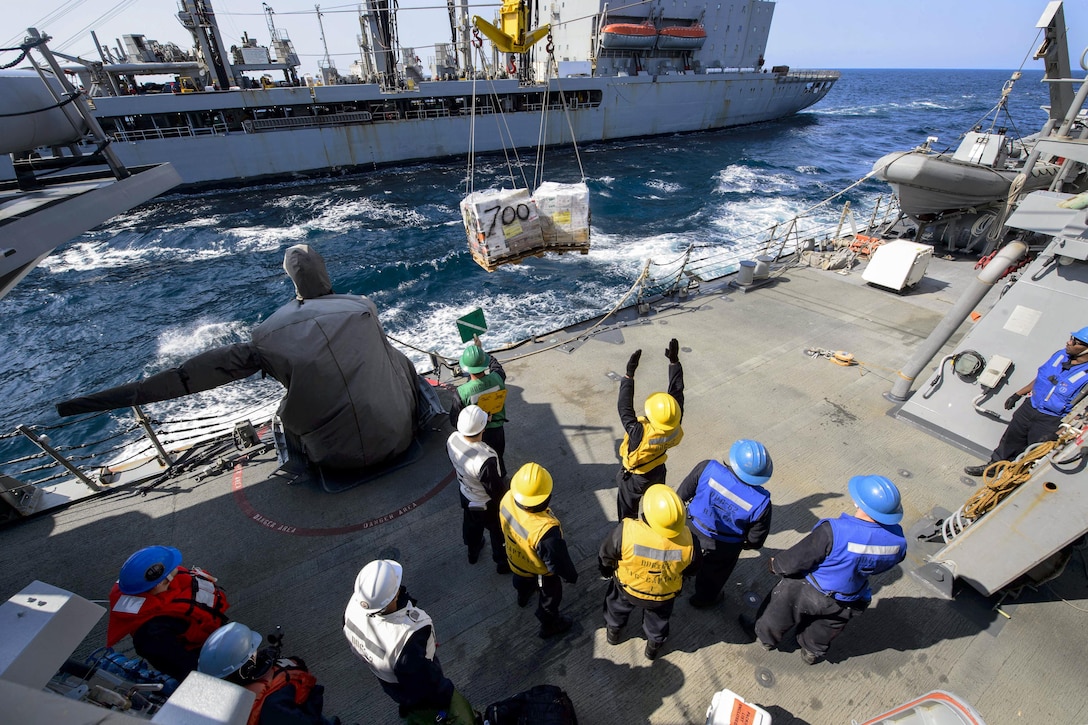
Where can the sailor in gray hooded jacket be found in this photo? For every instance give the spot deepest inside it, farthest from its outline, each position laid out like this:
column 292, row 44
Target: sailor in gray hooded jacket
column 351, row 397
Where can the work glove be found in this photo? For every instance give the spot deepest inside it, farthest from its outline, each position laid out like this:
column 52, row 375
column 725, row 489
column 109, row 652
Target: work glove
column 632, row 363
column 606, row 571
column 672, row 352
column 1012, row 401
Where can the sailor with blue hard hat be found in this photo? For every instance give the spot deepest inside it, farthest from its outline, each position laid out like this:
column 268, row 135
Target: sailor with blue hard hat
column 730, row 511
column 285, row 690
column 825, row 580
column 1057, row 386
column 168, row 609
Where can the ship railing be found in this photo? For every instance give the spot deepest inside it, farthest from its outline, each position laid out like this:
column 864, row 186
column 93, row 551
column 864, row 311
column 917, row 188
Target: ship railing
column 332, row 119
column 64, row 453
column 428, row 113
column 805, row 75
column 146, row 134
column 820, row 229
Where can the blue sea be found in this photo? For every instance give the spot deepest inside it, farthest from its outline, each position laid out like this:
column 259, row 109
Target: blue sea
column 188, row 272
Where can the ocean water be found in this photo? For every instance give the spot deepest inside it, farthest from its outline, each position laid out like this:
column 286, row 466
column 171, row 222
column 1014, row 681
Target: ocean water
column 188, row 272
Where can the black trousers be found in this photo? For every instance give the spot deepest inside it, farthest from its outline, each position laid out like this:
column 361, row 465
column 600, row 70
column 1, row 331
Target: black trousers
column 475, row 522
column 819, row 618
column 551, row 594
column 1028, row 427
column 618, row 606
column 632, row 486
column 719, row 560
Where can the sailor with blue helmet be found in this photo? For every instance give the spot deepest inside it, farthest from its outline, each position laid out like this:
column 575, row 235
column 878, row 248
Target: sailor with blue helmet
column 826, row 575
column 168, row 609
column 730, row 511
column 1057, row 386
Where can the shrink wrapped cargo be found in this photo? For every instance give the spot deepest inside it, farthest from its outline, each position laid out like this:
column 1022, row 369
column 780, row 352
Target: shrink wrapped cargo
column 564, row 215
column 502, row 226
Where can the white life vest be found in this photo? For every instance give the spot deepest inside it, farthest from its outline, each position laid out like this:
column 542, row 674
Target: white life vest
column 468, row 460
column 379, row 639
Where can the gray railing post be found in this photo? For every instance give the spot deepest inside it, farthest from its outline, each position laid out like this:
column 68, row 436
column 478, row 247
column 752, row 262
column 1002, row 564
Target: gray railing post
column 43, row 443
column 145, row 423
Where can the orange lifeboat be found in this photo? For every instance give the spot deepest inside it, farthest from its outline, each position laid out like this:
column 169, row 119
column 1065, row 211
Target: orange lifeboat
column 676, row 37
column 628, row 36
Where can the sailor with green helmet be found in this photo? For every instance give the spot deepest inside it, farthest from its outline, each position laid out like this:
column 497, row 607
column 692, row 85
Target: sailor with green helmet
column 486, row 388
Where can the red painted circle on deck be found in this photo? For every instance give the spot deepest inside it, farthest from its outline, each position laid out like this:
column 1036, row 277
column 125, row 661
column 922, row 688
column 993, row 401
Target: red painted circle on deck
column 236, row 487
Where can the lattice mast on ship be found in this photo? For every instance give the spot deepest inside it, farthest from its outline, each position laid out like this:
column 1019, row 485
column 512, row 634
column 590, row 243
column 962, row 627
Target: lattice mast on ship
column 508, row 225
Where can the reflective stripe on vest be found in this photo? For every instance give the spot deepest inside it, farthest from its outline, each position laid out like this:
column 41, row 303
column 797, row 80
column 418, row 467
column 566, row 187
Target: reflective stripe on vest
column 523, row 531
column 1054, row 389
column 651, row 450
column 379, row 639
column 191, row 596
column 859, row 550
column 723, row 506
column 468, row 460
column 651, row 566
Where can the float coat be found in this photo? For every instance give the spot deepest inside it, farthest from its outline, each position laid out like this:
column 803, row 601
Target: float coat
column 724, row 507
column 860, row 550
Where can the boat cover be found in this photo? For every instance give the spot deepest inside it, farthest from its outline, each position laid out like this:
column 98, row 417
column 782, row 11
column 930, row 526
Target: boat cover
column 351, row 397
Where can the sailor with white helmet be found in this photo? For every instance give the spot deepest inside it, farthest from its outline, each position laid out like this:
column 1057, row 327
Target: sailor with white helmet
column 646, row 440
column 482, row 486
column 486, row 388
column 396, row 640
column 286, row 692
column 826, row 575
column 730, row 511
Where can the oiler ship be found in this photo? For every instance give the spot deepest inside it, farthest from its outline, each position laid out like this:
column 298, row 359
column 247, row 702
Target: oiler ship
column 579, row 72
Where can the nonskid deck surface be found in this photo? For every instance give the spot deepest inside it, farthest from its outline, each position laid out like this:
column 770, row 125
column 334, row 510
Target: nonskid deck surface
column 288, row 553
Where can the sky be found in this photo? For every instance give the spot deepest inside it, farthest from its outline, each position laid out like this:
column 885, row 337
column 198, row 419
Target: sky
column 834, row 34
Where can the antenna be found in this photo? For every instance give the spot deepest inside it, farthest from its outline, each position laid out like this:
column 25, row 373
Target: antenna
column 328, row 61
column 271, row 23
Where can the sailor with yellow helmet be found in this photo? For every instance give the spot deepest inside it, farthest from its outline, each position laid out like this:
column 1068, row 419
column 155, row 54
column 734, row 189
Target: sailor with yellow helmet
column 535, row 547
column 648, row 438
column 645, row 561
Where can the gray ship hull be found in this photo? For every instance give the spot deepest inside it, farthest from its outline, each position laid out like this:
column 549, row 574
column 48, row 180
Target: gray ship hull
column 632, row 106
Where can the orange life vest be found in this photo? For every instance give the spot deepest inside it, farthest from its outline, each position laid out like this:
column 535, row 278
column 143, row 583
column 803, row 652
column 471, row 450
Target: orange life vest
column 285, row 672
column 192, row 596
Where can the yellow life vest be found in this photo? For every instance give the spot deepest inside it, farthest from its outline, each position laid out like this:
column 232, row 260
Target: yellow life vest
column 522, row 531
column 651, row 449
column 651, row 566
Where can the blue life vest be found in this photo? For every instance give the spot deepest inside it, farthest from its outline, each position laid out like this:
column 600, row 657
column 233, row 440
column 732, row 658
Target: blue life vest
column 1055, row 389
column 860, row 549
column 724, row 506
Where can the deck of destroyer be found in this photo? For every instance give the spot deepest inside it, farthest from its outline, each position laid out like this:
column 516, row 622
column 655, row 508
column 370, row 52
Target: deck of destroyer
column 288, row 553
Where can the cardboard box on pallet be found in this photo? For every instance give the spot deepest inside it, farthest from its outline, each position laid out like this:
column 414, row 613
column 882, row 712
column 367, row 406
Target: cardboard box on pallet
column 501, row 225
column 564, row 214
